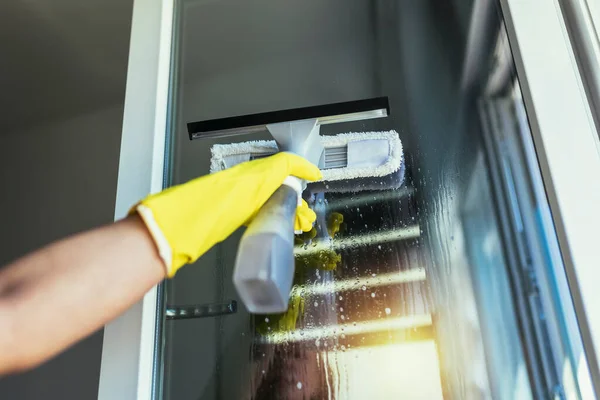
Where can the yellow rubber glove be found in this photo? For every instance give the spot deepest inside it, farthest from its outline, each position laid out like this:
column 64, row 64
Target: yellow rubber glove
column 305, row 217
column 187, row 220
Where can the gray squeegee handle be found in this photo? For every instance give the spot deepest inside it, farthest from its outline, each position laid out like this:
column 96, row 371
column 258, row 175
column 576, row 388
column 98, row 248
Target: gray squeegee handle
column 264, row 267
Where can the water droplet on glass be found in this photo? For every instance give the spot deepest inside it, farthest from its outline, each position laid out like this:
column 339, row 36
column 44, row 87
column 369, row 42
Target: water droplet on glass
column 267, row 319
column 341, row 309
column 263, row 372
column 343, row 336
column 379, row 247
column 373, row 275
column 372, row 294
column 316, row 303
column 343, row 348
column 388, row 311
column 263, row 354
column 364, row 287
column 299, row 385
column 341, row 298
column 326, row 186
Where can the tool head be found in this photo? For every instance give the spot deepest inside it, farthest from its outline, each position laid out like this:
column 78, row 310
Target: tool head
column 324, row 114
column 351, row 162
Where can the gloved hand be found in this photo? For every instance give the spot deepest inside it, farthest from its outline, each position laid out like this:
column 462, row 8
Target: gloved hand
column 187, row 220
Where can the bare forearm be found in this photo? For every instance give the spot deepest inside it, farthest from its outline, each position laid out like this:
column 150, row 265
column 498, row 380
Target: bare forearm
column 56, row 296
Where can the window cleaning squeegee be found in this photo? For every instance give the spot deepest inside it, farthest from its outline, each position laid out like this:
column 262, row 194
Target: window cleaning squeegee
column 264, row 268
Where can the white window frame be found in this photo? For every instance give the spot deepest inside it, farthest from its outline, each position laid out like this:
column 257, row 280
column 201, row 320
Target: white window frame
column 583, row 25
column 568, row 150
column 564, row 134
column 129, row 341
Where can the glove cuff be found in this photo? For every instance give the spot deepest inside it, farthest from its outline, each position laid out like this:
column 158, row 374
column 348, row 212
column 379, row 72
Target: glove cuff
column 162, row 245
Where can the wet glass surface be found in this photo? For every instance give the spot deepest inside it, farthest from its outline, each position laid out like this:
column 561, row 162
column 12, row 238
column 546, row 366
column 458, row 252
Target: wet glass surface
column 411, row 292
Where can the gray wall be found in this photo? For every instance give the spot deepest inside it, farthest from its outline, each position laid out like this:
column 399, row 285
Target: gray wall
column 58, row 179
column 61, row 94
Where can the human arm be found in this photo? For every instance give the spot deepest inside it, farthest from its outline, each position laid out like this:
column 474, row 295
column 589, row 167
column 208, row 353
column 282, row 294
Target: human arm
column 59, row 294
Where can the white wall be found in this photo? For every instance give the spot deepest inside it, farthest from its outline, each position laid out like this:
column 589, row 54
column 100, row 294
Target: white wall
column 55, row 180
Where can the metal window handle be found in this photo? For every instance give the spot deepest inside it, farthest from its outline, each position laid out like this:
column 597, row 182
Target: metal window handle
column 200, row 310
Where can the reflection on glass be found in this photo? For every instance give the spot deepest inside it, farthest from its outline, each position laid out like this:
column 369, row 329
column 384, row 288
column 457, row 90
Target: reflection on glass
column 417, row 376
column 448, row 287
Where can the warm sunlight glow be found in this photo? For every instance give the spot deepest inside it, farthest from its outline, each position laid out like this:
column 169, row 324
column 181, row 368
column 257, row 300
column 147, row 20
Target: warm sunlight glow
column 400, row 371
column 387, row 279
column 368, row 239
column 358, row 328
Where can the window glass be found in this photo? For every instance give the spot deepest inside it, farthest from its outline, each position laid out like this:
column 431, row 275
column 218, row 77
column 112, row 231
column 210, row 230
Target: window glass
column 446, row 287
